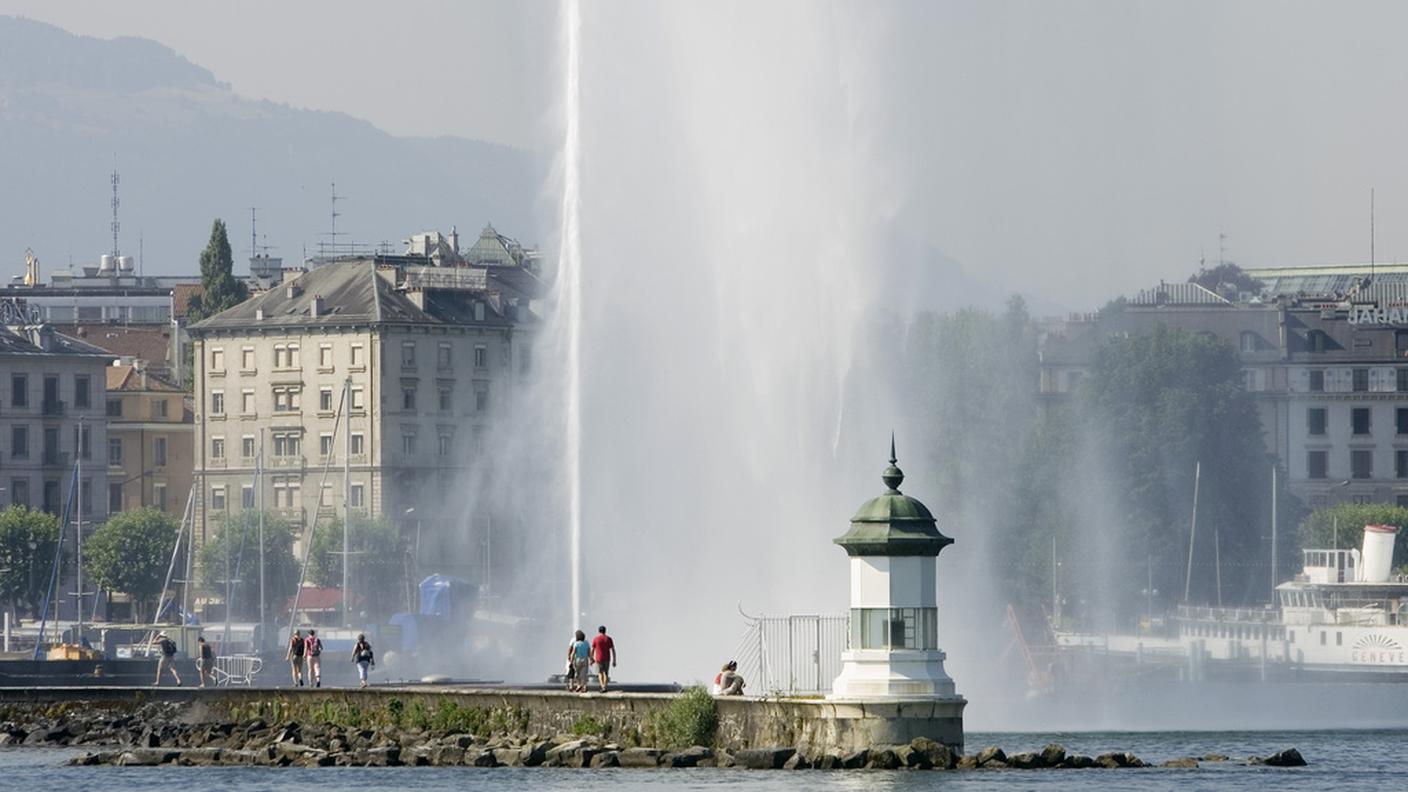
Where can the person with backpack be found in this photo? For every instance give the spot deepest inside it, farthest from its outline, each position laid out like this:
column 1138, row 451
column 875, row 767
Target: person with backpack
column 313, row 648
column 364, row 658
column 167, row 659
column 294, row 656
column 205, row 661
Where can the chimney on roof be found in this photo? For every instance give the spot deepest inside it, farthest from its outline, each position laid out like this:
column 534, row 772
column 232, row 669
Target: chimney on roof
column 317, row 307
column 258, row 314
column 293, row 290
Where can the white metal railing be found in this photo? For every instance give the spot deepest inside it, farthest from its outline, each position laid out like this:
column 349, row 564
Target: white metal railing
column 1207, row 613
column 793, row 654
column 236, row 669
column 461, row 278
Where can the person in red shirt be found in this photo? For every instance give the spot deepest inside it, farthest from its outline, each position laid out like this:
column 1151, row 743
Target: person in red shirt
column 604, row 653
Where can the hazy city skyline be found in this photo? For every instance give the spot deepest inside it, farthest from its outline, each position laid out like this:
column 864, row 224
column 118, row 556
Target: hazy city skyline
column 1069, row 151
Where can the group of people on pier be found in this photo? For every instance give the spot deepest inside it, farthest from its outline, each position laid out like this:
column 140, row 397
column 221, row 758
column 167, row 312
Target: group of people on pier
column 303, row 652
column 581, row 655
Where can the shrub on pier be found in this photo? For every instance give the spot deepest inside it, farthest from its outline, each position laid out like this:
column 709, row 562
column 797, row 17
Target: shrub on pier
column 692, row 718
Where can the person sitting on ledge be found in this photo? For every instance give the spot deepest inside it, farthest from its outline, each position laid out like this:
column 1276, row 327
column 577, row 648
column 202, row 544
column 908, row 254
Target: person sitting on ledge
column 729, row 681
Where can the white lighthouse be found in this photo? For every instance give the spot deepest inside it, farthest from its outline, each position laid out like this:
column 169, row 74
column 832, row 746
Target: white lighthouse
column 894, row 652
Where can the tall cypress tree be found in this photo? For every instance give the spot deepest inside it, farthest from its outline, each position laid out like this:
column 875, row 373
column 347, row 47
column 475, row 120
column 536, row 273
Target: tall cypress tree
column 220, row 289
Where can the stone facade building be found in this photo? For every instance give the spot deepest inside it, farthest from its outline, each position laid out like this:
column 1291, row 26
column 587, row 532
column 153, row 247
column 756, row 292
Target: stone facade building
column 1328, row 371
column 52, row 392
column 368, row 382
column 150, row 442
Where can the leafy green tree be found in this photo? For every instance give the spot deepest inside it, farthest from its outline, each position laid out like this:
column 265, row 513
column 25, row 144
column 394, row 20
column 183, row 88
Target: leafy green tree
column 1157, row 405
column 131, row 554
column 27, row 539
column 1342, row 526
column 378, row 568
column 974, row 376
column 236, row 537
column 1226, row 274
column 219, row 287
column 970, row 381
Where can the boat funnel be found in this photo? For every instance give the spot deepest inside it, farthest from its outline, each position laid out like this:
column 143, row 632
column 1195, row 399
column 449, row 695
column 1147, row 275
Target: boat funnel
column 1378, row 553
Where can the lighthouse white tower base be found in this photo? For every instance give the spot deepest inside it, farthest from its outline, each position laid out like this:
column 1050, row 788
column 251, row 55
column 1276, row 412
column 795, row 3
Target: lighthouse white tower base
column 893, row 674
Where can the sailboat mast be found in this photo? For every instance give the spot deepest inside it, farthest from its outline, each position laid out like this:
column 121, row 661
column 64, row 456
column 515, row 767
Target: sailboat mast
column 1192, row 531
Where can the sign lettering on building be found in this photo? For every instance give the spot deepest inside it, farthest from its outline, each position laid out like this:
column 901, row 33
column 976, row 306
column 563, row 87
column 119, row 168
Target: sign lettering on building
column 1378, row 316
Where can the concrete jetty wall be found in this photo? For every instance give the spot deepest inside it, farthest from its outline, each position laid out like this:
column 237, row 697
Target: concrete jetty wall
column 814, row 726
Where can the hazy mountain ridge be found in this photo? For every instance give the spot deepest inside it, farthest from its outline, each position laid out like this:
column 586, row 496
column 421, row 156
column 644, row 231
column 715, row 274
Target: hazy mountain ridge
column 34, row 53
column 189, row 150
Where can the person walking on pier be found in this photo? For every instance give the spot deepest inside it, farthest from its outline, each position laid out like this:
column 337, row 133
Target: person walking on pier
column 205, row 661
column 364, row 658
column 313, row 648
column 294, row 656
column 579, row 656
column 166, row 660
column 603, row 650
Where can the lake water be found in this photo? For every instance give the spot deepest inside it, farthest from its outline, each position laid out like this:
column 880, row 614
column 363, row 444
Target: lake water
column 1349, row 760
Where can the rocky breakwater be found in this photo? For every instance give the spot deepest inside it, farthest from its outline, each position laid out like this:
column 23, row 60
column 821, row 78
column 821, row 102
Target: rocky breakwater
column 681, row 736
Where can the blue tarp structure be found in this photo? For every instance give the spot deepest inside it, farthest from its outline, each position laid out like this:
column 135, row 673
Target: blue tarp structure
column 442, row 595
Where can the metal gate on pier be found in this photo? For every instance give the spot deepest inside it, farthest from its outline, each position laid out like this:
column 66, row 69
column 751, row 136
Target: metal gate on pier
column 791, row 655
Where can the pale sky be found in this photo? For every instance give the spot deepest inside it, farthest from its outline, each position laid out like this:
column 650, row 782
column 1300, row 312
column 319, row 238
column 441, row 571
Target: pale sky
column 1068, row 149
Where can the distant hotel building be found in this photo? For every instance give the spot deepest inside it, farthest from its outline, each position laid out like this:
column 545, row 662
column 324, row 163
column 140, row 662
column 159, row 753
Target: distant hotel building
column 50, row 386
column 1324, row 352
column 427, row 347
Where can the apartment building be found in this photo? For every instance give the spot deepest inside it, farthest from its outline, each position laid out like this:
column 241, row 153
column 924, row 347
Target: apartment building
column 150, row 441
column 368, row 382
column 52, row 392
column 1328, row 371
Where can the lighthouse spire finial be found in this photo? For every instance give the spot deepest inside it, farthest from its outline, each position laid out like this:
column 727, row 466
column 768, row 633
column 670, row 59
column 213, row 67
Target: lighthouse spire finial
column 892, row 476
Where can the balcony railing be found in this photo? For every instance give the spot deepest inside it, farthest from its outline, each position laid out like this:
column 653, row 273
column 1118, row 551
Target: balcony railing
column 52, row 407
column 54, row 459
column 294, row 515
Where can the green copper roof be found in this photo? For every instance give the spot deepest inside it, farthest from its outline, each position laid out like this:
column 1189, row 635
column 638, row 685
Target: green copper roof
column 893, row 524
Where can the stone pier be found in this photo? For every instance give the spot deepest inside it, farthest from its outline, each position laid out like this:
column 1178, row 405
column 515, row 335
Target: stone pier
column 812, row 726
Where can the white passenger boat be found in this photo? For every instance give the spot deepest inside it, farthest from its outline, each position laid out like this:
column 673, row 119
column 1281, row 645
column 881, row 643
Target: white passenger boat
column 1344, row 616
column 1344, row 613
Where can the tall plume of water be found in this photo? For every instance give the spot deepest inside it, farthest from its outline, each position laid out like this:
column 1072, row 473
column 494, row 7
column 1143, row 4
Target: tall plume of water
column 570, row 291
column 732, row 261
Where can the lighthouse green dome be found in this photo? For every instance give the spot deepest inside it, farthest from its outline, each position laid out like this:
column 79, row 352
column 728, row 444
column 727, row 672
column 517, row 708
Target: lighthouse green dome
column 893, row 524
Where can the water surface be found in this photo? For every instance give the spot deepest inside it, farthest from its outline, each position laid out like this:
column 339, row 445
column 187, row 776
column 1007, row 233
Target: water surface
column 1349, row 760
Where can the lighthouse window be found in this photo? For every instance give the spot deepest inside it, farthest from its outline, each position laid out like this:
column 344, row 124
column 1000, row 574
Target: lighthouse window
column 1339, row 639
column 1322, row 637
column 894, row 628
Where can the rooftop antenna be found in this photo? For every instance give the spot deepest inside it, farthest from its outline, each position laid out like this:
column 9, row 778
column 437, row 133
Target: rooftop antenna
column 253, row 231
column 1221, row 247
column 1371, row 234
column 333, row 234
column 141, row 251
column 115, row 203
